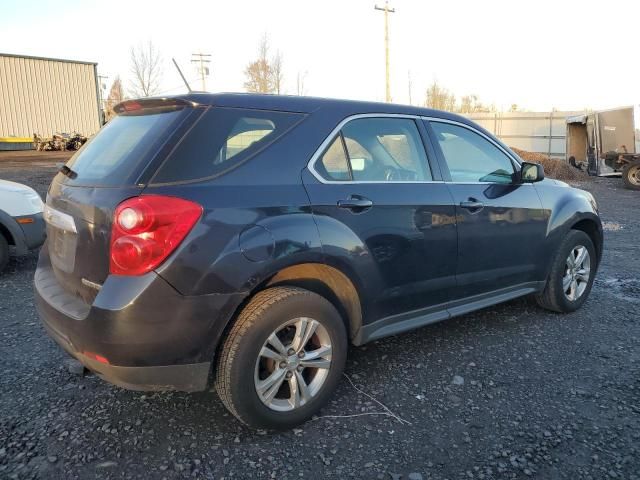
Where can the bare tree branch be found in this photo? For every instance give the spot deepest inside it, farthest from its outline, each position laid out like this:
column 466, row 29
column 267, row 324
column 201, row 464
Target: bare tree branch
column 277, row 73
column 440, row 98
column 116, row 95
column 300, row 83
column 265, row 75
column 146, row 70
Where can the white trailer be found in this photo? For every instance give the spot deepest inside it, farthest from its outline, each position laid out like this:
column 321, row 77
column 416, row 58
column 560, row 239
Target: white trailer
column 607, row 142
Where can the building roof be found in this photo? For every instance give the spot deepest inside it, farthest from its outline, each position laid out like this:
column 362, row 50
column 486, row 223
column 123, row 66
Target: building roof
column 46, row 58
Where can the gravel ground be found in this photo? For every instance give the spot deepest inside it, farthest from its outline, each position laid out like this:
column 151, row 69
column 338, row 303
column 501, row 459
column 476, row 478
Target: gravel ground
column 508, row 392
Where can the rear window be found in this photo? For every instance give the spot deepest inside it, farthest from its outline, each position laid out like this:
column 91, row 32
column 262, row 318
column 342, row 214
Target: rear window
column 122, row 148
column 222, row 139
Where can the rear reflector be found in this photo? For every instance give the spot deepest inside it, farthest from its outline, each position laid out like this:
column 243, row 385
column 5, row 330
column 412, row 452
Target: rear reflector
column 147, row 229
column 95, row 356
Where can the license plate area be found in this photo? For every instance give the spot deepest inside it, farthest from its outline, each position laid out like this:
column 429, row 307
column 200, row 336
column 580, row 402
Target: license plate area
column 63, row 239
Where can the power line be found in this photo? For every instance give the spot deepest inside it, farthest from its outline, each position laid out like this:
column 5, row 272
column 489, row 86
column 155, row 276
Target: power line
column 204, row 70
column 169, row 90
column 386, row 11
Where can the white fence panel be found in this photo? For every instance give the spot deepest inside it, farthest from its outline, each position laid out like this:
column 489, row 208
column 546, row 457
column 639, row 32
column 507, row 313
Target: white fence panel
column 541, row 132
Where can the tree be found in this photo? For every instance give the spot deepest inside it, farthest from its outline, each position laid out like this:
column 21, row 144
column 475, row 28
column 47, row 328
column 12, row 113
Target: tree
column 440, row 98
column 276, row 72
column 472, row 104
column 265, row 75
column 116, row 95
column 300, row 87
column 146, row 70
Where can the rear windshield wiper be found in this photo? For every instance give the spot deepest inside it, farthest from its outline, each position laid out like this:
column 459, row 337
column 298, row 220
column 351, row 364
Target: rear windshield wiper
column 68, row 172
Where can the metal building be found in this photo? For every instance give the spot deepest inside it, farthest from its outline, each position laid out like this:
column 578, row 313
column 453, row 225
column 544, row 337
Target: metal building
column 46, row 96
column 541, row 132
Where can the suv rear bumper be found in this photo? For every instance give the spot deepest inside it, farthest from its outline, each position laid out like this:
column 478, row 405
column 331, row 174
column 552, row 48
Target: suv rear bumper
column 139, row 333
column 187, row 378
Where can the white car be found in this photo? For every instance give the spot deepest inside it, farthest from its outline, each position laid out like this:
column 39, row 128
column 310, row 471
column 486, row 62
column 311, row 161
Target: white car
column 22, row 225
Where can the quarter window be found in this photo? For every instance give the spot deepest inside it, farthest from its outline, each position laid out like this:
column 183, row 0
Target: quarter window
column 245, row 133
column 222, row 139
column 376, row 150
column 471, row 157
column 334, row 164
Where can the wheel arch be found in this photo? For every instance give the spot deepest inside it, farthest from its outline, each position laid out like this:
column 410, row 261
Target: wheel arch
column 594, row 231
column 4, row 231
column 12, row 232
column 326, row 281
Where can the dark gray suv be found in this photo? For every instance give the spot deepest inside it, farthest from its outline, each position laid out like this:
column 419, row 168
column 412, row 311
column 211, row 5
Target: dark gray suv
column 246, row 240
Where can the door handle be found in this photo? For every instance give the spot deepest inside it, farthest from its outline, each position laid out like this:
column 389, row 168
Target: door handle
column 355, row 203
column 472, row 205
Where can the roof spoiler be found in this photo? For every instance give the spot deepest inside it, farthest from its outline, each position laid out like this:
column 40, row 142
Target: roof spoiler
column 151, row 105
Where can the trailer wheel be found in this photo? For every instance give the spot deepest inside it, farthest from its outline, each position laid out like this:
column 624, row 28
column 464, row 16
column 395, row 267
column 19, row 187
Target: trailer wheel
column 631, row 175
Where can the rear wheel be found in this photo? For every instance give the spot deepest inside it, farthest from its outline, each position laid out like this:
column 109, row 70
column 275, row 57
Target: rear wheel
column 282, row 359
column 4, row 252
column 631, row 175
column 572, row 274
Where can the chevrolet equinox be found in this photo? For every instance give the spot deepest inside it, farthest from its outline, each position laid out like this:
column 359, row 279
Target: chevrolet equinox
column 244, row 240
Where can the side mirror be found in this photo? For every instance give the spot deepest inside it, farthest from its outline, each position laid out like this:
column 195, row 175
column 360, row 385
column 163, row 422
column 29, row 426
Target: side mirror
column 531, row 172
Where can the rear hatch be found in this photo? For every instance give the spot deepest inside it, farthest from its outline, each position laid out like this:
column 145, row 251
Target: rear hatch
column 111, row 167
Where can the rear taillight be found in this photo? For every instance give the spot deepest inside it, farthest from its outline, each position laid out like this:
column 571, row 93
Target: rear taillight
column 147, row 229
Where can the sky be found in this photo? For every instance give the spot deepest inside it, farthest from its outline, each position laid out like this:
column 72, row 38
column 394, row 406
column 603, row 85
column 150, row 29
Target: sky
column 540, row 55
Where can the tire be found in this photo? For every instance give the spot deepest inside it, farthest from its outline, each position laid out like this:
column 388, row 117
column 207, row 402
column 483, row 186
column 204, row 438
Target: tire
column 554, row 297
column 4, row 252
column 243, row 368
column 631, row 175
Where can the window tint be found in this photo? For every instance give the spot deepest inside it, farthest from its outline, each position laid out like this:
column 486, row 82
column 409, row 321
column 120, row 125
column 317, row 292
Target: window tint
column 121, row 149
column 471, row 157
column 333, row 163
column 385, row 150
column 221, row 139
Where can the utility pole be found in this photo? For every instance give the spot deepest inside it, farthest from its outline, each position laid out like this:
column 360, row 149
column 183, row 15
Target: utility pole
column 386, row 11
column 103, row 109
column 409, row 85
column 203, row 70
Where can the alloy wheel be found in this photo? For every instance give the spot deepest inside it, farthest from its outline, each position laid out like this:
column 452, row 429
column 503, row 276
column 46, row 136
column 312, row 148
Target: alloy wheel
column 293, row 364
column 577, row 272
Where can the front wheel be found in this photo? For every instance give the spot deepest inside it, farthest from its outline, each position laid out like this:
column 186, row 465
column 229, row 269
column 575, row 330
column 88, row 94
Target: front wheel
column 631, row 175
column 282, row 359
column 572, row 274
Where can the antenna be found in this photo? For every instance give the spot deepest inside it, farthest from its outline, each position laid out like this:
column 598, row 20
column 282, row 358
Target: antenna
column 180, row 72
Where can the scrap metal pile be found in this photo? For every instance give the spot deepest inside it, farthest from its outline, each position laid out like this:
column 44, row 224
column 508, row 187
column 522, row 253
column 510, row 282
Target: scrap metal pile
column 59, row 141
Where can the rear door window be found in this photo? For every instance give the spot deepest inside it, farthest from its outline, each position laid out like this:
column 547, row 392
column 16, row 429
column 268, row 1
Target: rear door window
column 381, row 149
column 222, row 139
column 386, row 150
column 122, row 148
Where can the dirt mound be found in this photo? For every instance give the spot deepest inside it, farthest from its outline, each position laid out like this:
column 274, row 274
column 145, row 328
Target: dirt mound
column 553, row 168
